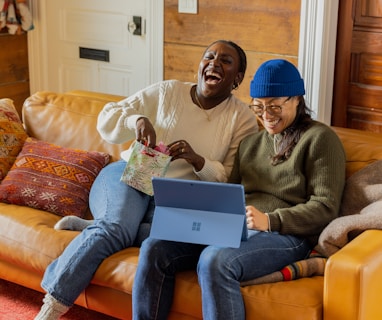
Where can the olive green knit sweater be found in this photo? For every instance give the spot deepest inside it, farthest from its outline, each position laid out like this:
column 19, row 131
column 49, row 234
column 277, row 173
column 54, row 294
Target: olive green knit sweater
column 302, row 194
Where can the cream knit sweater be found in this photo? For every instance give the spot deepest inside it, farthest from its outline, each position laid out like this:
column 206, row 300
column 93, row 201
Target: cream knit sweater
column 169, row 107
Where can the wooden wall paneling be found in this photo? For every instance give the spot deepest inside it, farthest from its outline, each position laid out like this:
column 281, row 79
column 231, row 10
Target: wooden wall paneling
column 257, row 25
column 264, row 29
column 17, row 91
column 14, row 70
column 183, row 65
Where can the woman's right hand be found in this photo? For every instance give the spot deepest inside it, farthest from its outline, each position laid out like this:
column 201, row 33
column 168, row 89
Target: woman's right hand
column 256, row 219
column 145, row 132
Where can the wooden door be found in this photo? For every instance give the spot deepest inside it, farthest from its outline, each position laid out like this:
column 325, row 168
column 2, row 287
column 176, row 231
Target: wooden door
column 357, row 92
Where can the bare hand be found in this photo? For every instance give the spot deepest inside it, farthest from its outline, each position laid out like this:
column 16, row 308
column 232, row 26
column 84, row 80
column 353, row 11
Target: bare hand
column 256, row 219
column 182, row 150
column 145, row 132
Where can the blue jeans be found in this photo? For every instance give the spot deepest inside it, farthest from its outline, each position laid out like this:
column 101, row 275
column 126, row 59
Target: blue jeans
column 220, row 271
column 120, row 214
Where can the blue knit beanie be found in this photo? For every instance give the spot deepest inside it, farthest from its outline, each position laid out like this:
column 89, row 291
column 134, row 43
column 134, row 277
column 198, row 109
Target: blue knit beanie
column 277, row 78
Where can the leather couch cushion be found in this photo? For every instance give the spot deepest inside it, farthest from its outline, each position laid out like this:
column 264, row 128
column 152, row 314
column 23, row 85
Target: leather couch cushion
column 31, row 243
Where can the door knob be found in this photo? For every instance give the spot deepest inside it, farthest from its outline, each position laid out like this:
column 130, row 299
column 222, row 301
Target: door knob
column 135, row 26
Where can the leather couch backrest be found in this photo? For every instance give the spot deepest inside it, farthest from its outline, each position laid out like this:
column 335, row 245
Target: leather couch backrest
column 361, row 147
column 69, row 120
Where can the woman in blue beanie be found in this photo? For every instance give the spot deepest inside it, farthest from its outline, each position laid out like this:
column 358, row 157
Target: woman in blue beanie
column 293, row 173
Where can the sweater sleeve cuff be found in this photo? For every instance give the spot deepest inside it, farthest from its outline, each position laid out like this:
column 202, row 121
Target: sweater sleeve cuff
column 131, row 121
column 269, row 222
column 209, row 172
column 274, row 222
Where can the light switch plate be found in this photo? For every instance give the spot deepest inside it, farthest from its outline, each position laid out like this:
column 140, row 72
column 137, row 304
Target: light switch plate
column 188, row 6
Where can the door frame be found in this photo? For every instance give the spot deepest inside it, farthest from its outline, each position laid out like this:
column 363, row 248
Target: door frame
column 317, row 51
column 37, row 46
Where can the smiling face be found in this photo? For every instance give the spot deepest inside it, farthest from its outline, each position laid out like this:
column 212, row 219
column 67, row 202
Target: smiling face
column 276, row 123
column 219, row 71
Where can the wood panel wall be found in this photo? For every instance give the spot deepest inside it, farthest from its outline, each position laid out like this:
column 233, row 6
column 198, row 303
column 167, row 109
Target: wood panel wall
column 14, row 69
column 264, row 29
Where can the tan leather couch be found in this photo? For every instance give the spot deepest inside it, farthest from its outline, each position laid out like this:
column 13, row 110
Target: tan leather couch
column 350, row 289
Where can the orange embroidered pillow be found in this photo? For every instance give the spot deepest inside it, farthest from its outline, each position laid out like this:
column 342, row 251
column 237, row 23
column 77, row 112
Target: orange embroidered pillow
column 52, row 178
column 12, row 135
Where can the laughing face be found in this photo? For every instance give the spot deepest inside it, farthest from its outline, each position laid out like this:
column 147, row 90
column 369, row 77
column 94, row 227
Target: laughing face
column 276, row 121
column 218, row 72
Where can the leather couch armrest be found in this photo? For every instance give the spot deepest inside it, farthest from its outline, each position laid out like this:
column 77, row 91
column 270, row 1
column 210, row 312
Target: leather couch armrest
column 353, row 280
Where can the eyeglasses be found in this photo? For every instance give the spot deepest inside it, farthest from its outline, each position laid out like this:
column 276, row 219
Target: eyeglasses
column 271, row 109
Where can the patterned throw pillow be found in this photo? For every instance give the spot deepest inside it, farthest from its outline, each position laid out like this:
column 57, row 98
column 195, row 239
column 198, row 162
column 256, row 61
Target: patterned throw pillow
column 12, row 136
column 52, row 178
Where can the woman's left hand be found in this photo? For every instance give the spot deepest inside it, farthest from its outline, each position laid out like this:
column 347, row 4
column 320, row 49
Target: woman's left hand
column 181, row 149
column 256, row 219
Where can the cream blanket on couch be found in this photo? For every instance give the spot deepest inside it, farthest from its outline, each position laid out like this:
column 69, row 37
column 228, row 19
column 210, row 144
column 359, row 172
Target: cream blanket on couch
column 361, row 209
